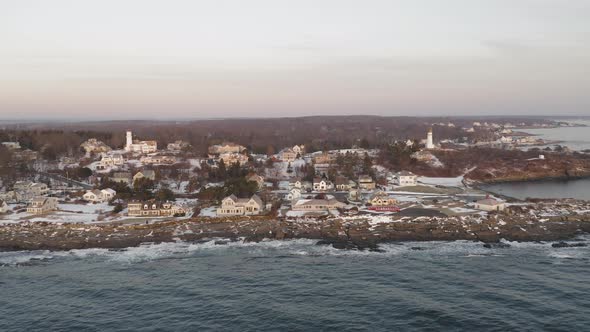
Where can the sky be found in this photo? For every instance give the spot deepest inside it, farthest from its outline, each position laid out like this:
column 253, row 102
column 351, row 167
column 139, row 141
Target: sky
column 174, row 59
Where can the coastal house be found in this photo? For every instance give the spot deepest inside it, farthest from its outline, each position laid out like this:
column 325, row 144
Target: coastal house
column 405, row 178
column 233, row 206
column 299, row 150
column 122, row 177
column 99, row 196
column 317, row 205
column 3, row 206
column 288, row 155
column 11, row 145
column 226, row 147
column 26, row 190
column 158, row 159
column 380, row 198
column 139, row 146
column 320, row 184
column 93, row 196
column 366, row 182
column 93, row 145
column 153, row 208
column 39, row 189
column 293, row 194
column 230, row 158
column 147, row 173
column 111, row 160
column 42, row 205
column 506, row 140
column 490, row 204
column 296, row 183
column 177, row 146
column 343, row 184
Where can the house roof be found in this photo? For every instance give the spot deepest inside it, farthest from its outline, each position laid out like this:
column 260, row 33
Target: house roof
column 341, row 180
column 405, row 173
column 378, row 194
column 39, row 200
column 94, row 191
column 315, row 201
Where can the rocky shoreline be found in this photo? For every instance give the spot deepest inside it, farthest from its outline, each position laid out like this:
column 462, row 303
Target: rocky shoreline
column 344, row 233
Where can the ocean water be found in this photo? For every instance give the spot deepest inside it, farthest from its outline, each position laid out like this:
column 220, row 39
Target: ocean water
column 298, row 286
column 576, row 138
column 579, row 189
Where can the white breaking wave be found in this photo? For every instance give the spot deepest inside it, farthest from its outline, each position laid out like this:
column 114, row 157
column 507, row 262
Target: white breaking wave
column 295, row 248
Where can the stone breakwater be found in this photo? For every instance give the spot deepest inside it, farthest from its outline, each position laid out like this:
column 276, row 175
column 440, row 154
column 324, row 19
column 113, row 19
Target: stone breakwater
column 346, row 233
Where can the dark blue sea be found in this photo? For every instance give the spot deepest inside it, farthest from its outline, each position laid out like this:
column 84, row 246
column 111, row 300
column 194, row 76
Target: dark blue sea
column 298, row 286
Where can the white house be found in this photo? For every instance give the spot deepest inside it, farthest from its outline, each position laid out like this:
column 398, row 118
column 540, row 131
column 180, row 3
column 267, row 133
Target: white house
column 320, row 184
column 233, row 206
column 124, row 177
column 108, row 194
column 490, row 204
column 41, row 205
column 405, row 178
column 293, row 194
column 110, row 160
column 94, row 145
column 139, row 146
column 11, row 145
column 366, row 182
column 288, row 155
column 226, row 148
column 177, row 145
column 231, row 158
column 299, row 149
column 146, row 173
column 99, row 196
column 506, row 140
column 94, row 196
column 153, row 208
column 296, row 183
column 26, row 190
column 381, row 198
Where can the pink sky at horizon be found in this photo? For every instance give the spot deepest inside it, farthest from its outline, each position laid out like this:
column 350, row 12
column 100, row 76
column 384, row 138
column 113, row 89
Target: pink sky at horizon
column 201, row 59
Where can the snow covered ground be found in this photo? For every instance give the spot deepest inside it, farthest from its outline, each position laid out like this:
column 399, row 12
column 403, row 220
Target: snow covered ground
column 447, row 182
column 67, row 213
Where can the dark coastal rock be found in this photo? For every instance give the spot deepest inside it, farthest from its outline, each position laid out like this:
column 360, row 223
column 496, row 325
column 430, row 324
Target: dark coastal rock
column 417, row 248
column 568, row 245
column 496, row 245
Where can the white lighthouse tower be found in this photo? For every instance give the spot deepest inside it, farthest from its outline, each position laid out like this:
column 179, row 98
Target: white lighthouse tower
column 429, row 143
column 129, row 141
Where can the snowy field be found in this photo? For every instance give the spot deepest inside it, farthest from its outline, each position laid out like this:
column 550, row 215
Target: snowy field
column 67, row 213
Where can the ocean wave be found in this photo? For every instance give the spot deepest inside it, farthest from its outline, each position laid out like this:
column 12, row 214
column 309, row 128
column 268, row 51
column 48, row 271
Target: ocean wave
column 291, row 248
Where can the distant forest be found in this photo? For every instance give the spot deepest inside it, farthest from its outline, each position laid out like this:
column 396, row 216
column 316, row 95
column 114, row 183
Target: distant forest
column 267, row 135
